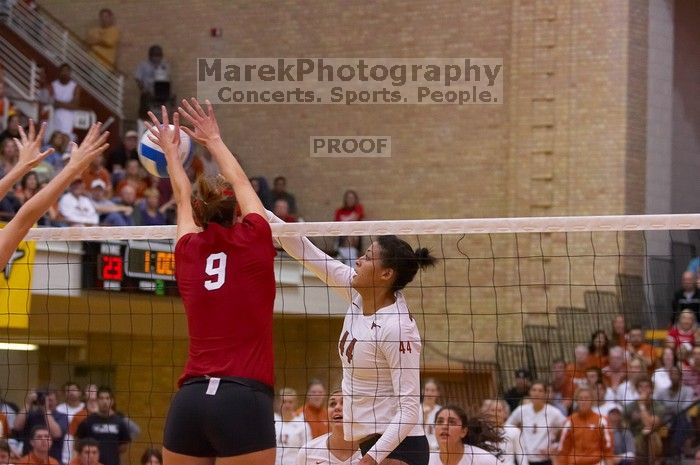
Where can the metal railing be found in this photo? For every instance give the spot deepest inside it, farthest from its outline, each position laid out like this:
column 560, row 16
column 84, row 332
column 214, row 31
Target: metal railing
column 55, row 43
column 20, row 71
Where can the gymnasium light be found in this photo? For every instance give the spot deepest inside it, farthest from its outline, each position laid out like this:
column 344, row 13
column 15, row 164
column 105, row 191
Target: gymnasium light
column 18, row 346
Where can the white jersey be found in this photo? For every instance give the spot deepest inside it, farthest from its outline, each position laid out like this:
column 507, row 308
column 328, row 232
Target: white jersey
column 380, row 355
column 510, row 446
column 291, row 435
column 472, row 456
column 539, row 430
column 429, row 426
column 69, row 440
column 315, row 452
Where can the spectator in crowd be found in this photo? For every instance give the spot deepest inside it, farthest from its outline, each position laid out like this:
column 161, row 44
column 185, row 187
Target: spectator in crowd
column 431, row 394
column 261, row 188
column 90, row 395
column 626, row 392
column 496, row 411
column 75, row 410
column 688, row 296
column 76, row 208
column 576, row 372
column 585, row 439
column 331, row 447
column 96, row 170
column 598, row 349
column 594, row 375
column 291, row 430
column 515, row 395
column 661, row 377
column 643, row 416
column 56, row 450
column 127, row 199
column 683, row 332
column 557, row 385
column 38, row 448
column 616, row 372
column 9, row 409
column 281, row 210
column 462, row 439
column 104, row 39
column 66, row 97
column 106, row 427
column 619, row 331
column 540, row 424
column 109, row 212
column 10, row 154
column 637, row 347
column 152, row 456
column 691, row 374
column 5, row 452
column 39, row 411
column 623, row 441
column 59, row 142
column 676, row 399
column 127, row 150
column 279, row 191
column 87, row 452
column 314, row 410
column 352, row 210
column 601, row 406
column 153, row 78
column 12, row 129
column 150, row 213
column 133, row 176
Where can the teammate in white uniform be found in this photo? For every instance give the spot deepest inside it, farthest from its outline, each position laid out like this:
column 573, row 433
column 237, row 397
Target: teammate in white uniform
column 431, row 393
column 464, row 441
column 331, row 448
column 291, row 429
column 379, row 346
column 496, row 410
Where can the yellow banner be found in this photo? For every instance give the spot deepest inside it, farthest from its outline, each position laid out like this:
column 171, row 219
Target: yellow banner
column 16, row 287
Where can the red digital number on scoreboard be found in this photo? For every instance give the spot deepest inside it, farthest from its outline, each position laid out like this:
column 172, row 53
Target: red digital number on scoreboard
column 112, row 268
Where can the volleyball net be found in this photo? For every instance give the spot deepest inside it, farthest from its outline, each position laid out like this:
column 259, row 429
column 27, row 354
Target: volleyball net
column 508, row 299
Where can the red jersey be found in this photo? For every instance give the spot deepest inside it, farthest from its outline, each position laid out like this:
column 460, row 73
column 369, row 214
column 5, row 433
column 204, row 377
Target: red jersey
column 227, row 282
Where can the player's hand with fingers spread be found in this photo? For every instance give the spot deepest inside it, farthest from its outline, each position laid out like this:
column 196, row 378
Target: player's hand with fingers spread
column 29, row 145
column 206, row 128
column 166, row 137
column 93, row 145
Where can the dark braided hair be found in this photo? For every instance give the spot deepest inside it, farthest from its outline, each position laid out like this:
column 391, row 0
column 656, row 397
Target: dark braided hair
column 399, row 256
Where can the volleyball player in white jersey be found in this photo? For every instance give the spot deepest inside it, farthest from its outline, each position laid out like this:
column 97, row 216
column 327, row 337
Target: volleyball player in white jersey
column 379, row 346
column 291, row 431
column 331, row 448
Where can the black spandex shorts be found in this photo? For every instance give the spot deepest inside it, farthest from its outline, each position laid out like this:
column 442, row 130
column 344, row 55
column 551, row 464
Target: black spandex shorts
column 413, row 450
column 237, row 420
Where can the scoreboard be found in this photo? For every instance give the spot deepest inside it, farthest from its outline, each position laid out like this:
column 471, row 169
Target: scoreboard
column 133, row 266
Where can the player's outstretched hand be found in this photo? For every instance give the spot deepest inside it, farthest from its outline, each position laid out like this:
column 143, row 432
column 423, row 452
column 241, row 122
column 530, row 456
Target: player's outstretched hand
column 93, row 145
column 162, row 134
column 206, row 128
column 29, row 145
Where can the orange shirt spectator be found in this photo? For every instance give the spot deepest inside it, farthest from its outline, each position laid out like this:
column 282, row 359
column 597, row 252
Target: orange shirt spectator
column 5, row 433
column 576, row 373
column 97, row 171
column 32, row 459
column 598, row 350
column 314, row 409
column 619, row 332
column 585, row 439
column 637, row 347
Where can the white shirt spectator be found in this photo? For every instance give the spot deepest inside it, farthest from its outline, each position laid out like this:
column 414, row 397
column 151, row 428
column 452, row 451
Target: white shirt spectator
column 624, row 394
column 539, row 430
column 63, row 118
column 148, row 73
column 604, row 408
column 661, row 380
column 78, row 210
column 69, row 440
column 291, row 436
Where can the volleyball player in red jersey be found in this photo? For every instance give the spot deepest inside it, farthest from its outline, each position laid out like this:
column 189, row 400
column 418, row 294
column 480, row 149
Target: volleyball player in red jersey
column 223, row 411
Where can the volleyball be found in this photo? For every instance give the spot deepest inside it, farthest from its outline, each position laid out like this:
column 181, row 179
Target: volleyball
column 153, row 159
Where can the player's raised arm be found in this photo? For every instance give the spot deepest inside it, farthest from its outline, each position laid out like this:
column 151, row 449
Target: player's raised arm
column 206, row 132
column 168, row 139
column 29, row 156
column 81, row 157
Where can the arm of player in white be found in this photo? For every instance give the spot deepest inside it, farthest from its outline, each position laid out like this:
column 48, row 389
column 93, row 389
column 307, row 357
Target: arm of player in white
column 402, row 351
column 334, row 273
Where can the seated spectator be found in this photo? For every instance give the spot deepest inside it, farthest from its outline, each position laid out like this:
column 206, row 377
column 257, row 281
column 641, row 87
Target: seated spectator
column 314, row 409
column 661, row 376
column 619, row 332
column 126, row 199
column 39, row 446
column 585, row 438
column 691, row 374
column 149, row 212
column 109, row 212
column 643, row 416
column 594, row 375
column 279, row 191
column 152, row 456
column 676, row 399
column 623, row 441
column 637, row 347
column 558, row 398
column 76, row 208
column 515, row 395
column 9, row 206
column 12, row 129
column 59, row 142
column 135, row 177
column 430, row 407
column 626, row 392
column 153, row 78
column 496, row 412
column 598, row 349
column 616, row 371
column 66, row 97
column 127, row 150
column 9, row 154
column 349, row 246
column 281, row 210
column 107, row 428
column 688, row 296
column 464, row 439
column 96, row 171
column 683, row 332
column 103, row 40
column 261, row 188
column 87, row 452
column 576, row 372
column 601, row 406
